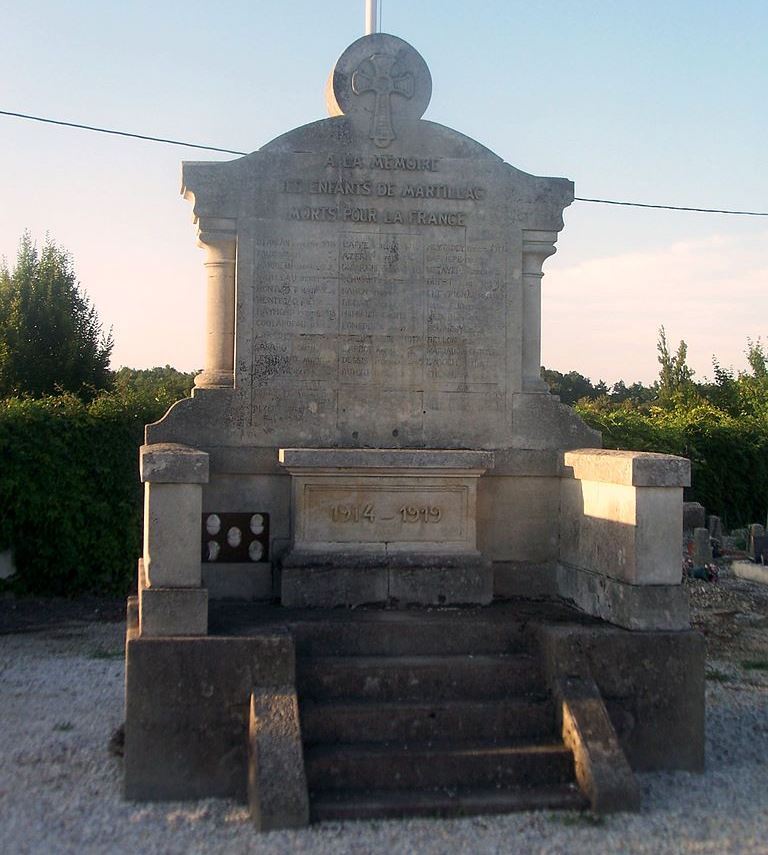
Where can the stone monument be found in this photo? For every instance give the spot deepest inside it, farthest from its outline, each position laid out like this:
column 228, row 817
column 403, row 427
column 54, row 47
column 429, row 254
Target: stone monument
column 371, row 429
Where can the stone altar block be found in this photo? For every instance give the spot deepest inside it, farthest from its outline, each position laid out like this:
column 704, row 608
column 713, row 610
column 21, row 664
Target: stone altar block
column 374, row 525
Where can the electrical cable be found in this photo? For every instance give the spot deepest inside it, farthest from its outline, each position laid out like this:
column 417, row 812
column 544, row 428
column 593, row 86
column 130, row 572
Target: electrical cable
column 673, row 207
column 117, row 133
column 234, row 151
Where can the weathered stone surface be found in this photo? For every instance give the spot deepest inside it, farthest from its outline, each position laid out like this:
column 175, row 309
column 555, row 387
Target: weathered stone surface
column 652, row 684
column 468, row 583
column 702, row 548
column 751, row 571
column 187, row 707
column 518, row 517
column 602, row 769
column 388, row 297
column 239, row 581
column 627, row 533
column 384, row 460
column 400, row 514
column 639, row 607
column 715, row 526
column 172, row 519
column 384, row 514
column 173, row 463
column 540, row 422
column 387, row 281
column 756, row 531
column 524, row 579
column 173, row 611
column 353, row 580
column 694, row 516
column 373, row 308
column 277, row 783
column 332, row 585
column 632, row 468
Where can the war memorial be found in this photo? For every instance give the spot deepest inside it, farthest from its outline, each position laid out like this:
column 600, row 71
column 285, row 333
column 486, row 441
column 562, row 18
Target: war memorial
column 385, row 572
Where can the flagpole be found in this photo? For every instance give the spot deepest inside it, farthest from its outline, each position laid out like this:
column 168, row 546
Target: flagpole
column 370, row 17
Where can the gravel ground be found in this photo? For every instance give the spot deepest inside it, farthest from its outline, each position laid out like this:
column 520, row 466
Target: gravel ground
column 61, row 686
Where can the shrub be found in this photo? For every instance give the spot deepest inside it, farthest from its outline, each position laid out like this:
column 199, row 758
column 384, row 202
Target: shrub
column 70, row 492
column 728, row 454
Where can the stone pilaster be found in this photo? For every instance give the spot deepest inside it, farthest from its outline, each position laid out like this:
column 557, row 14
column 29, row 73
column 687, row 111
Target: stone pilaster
column 218, row 239
column 537, row 247
column 171, row 598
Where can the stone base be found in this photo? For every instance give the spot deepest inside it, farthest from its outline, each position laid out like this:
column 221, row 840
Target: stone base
column 187, row 699
column 641, row 607
column 652, row 684
column 309, row 580
column 277, row 781
column 238, row 581
column 173, row 611
column 187, row 711
column 750, row 571
column 524, row 579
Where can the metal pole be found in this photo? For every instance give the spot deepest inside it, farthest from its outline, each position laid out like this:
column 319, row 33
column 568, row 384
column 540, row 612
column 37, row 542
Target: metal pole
column 370, row 17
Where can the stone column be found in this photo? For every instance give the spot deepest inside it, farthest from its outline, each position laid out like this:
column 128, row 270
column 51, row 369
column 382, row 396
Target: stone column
column 218, row 239
column 537, row 247
column 172, row 600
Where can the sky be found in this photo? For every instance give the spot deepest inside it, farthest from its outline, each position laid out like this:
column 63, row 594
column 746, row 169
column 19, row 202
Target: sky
column 639, row 100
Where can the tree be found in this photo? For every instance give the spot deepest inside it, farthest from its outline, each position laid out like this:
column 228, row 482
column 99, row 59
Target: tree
column 572, row 386
column 675, row 377
column 51, row 338
column 164, row 385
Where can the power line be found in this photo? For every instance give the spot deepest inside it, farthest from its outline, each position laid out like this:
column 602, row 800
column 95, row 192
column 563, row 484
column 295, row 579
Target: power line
column 673, row 207
column 233, row 151
column 118, row 133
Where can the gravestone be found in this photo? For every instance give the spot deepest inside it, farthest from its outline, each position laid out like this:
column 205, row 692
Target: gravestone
column 694, row 516
column 702, row 547
column 756, row 532
column 371, row 429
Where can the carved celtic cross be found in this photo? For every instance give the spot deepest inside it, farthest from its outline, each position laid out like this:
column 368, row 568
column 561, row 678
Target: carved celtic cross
column 376, row 75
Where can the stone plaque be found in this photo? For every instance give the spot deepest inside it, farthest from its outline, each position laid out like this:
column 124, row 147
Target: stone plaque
column 380, row 502
column 383, row 296
column 385, row 512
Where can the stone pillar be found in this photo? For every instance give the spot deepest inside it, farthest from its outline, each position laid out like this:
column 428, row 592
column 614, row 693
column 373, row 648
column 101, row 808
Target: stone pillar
column 218, row 239
column 621, row 513
column 171, row 599
column 537, row 247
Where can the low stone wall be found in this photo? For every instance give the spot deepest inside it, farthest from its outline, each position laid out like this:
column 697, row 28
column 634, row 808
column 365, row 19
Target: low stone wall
column 620, row 522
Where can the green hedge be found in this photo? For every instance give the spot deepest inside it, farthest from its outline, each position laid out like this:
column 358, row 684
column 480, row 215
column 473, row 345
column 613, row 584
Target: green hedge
column 70, row 496
column 729, row 455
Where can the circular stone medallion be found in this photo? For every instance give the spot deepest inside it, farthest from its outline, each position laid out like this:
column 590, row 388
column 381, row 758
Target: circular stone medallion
column 381, row 83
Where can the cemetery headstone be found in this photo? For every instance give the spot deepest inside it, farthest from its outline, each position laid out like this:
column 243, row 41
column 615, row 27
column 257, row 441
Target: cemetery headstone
column 702, row 548
column 694, row 516
column 756, row 532
column 715, row 526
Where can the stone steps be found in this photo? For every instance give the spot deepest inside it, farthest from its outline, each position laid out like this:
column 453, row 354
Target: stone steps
column 426, row 713
column 428, row 722
column 389, row 804
column 421, row 767
column 402, row 634
column 418, row 678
